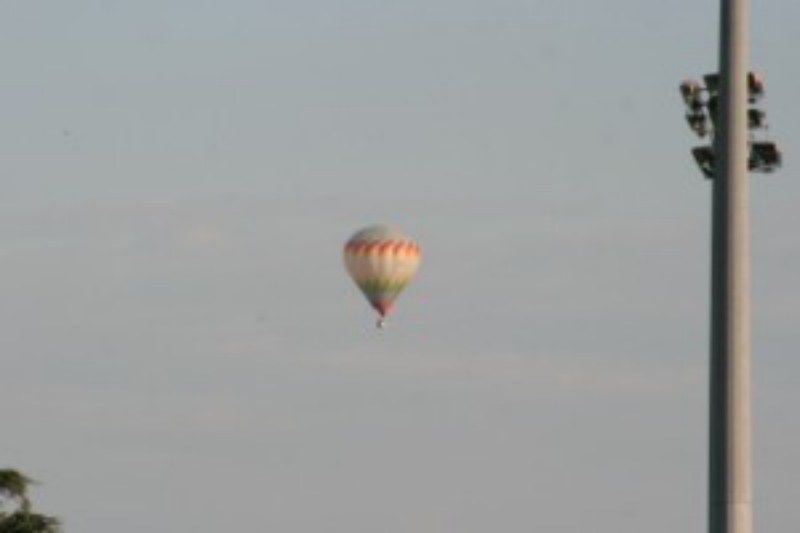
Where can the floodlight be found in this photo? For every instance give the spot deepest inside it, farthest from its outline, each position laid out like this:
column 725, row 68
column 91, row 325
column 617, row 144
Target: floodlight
column 755, row 86
column 712, row 82
column 704, row 156
column 690, row 91
column 698, row 123
column 702, row 99
column 764, row 156
column 756, row 118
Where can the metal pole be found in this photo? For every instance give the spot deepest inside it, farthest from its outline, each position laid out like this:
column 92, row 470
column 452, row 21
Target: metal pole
column 730, row 490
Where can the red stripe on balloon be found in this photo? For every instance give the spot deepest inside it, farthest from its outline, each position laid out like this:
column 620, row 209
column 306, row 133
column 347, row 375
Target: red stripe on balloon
column 384, row 246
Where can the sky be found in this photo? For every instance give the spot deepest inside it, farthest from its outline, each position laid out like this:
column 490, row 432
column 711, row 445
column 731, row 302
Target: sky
column 182, row 351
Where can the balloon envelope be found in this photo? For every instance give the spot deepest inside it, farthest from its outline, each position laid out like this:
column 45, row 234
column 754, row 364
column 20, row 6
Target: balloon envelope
column 381, row 261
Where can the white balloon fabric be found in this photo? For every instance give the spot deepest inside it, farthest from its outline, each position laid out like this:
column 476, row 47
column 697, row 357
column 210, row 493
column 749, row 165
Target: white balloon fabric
column 381, row 261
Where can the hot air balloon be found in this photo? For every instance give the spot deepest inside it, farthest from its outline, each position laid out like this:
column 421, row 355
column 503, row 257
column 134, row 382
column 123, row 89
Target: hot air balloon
column 381, row 261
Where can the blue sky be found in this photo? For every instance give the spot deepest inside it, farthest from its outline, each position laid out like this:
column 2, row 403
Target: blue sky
column 184, row 352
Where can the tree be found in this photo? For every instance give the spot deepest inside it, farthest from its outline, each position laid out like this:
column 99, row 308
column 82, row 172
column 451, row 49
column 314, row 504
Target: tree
column 14, row 491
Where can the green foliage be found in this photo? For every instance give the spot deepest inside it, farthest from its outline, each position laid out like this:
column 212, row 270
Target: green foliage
column 13, row 489
column 13, row 485
column 24, row 522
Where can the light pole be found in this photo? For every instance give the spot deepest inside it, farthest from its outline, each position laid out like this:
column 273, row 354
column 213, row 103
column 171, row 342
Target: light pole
column 730, row 491
column 721, row 110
